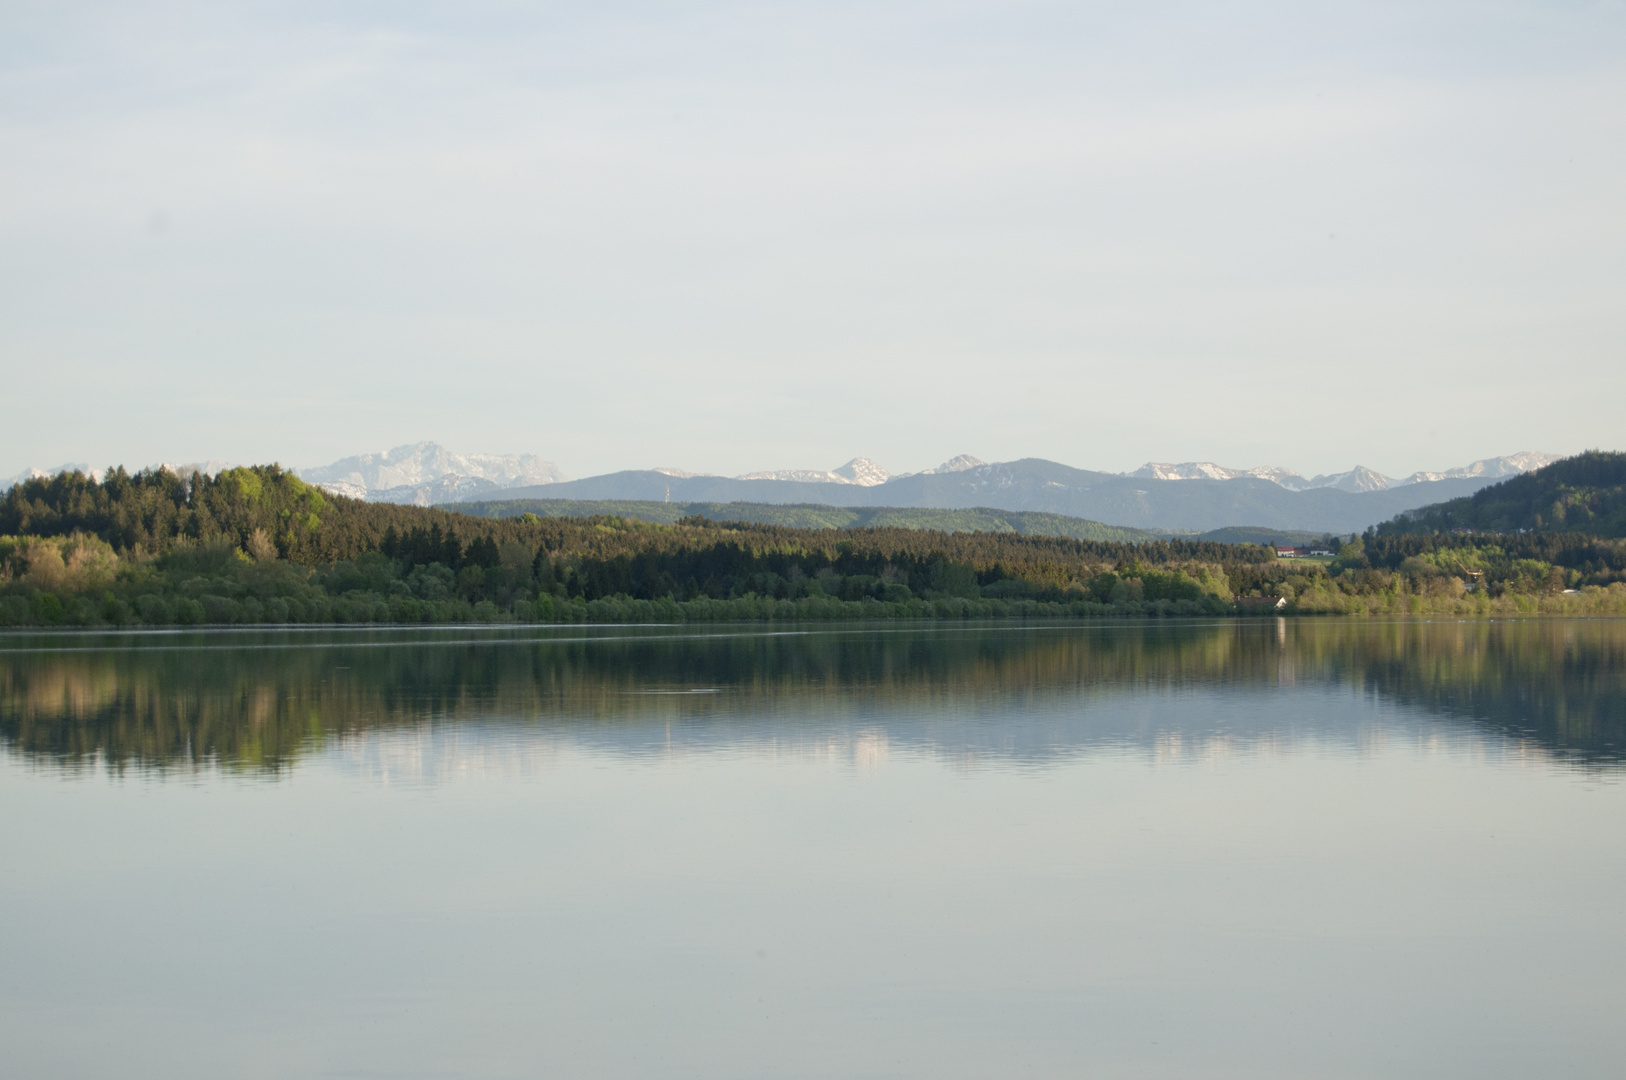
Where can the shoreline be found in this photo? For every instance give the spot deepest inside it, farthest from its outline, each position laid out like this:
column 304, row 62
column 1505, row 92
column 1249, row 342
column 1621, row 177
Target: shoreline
column 1595, row 602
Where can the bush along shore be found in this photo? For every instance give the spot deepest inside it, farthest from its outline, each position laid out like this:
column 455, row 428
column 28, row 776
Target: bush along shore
column 258, row 545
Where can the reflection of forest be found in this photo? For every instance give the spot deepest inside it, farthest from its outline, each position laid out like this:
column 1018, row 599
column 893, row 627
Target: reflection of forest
column 258, row 702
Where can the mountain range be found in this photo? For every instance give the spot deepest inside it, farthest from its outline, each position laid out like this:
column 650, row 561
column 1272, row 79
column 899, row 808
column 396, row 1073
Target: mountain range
column 1033, row 484
column 1357, row 479
column 1160, row 496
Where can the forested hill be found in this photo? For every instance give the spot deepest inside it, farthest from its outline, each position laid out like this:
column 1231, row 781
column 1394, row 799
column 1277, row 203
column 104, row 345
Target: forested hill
column 812, row 516
column 1581, row 494
column 272, row 515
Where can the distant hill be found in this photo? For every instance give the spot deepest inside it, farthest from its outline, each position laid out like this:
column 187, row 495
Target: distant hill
column 812, row 516
column 1257, row 534
column 1038, row 486
column 1585, row 494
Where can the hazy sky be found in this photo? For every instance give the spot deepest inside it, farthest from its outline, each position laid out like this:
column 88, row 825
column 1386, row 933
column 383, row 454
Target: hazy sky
column 737, row 236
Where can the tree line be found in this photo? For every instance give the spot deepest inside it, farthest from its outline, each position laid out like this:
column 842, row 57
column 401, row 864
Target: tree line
column 259, row 545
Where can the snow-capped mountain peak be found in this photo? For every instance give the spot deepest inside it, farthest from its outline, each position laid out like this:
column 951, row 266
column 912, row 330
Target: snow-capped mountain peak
column 963, row 463
column 1489, row 468
column 1358, row 479
column 46, row 474
column 1207, row 470
column 860, row 471
column 425, row 473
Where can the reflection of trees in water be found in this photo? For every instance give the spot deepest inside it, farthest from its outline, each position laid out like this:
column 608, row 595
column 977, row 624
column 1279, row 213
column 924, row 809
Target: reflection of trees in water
column 1561, row 684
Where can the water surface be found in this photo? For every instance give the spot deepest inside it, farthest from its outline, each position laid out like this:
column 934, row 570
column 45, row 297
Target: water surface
column 1268, row 848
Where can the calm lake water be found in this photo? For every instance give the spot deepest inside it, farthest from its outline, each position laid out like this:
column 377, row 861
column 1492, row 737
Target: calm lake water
column 1266, row 849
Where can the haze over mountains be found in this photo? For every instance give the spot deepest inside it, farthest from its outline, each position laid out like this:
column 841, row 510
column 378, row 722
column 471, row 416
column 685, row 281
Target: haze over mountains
column 1188, row 496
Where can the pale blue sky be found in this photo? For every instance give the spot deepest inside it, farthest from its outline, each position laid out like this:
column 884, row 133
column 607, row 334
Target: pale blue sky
column 729, row 237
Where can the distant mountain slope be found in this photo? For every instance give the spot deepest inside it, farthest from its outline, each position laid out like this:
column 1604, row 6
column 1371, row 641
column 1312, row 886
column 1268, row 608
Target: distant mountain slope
column 1253, row 534
column 977, row 519
column 1036, row 485
column 1585, row 493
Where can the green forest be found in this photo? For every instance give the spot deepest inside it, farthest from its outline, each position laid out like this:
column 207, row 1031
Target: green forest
column 258, row 545
column 819, row 516
column 1581, row 494
column 811, row 516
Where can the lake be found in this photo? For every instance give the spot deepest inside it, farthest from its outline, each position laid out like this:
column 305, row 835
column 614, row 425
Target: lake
column 1258, row 848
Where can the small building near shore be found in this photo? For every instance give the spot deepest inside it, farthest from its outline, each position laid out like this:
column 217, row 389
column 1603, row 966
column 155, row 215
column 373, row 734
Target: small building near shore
column 1285, row 551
